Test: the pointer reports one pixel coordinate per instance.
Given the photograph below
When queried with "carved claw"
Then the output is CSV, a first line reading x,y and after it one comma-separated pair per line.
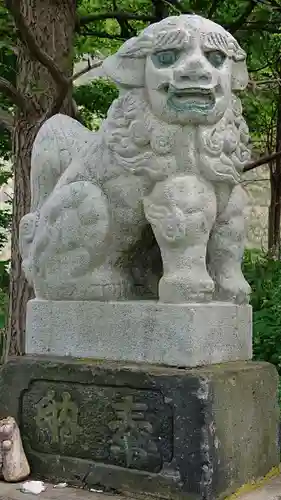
x,y
13,463
186,287
233,289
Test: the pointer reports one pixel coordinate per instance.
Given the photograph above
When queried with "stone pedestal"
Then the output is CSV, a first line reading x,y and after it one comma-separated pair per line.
x,y
196,434
141,331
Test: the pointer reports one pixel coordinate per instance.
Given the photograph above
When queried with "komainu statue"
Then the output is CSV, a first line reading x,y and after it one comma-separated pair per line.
x,y
168,155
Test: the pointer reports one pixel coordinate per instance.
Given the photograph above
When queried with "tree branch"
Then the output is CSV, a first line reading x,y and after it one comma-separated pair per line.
x,y
62,82
232,28
28,38
16,97
118,15
6,120
102,34
254,84
213,8
272,4
58,101
126,30
267,29
261,161
86,69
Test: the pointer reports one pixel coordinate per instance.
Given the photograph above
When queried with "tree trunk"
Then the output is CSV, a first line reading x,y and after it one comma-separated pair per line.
x,y
52,22
274,214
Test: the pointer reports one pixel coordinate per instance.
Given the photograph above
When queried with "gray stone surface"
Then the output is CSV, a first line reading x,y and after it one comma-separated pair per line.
x,y
171,334
189,434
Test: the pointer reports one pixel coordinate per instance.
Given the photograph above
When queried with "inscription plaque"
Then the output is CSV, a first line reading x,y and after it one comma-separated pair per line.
x,y
130,428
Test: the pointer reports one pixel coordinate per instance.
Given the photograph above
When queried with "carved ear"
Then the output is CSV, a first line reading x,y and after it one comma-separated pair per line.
x,y
125,71
127,67
240,75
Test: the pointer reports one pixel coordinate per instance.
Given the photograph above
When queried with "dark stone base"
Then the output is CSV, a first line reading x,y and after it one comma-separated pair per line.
x,y
195,434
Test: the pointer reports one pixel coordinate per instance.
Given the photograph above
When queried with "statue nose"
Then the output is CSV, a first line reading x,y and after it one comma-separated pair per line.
x,y
193,72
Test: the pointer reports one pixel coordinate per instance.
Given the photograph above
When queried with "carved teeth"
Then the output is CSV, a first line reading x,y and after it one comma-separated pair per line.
x,y
194,97
193,92
198,91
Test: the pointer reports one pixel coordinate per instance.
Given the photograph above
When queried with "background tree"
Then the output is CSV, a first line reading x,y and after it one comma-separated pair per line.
x,y
40,89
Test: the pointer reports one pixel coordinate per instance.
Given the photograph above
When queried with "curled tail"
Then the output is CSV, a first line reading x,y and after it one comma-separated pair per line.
x,y
57,143
62,239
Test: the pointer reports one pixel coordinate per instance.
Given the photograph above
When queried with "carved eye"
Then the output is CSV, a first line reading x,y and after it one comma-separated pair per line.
x,y
165,57
215,57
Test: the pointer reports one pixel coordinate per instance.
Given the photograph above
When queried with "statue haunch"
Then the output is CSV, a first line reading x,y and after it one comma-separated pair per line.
x,y
170,154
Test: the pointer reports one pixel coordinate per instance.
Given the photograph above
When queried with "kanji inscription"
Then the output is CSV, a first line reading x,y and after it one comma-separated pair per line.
x,y
60,418
133,438
122,426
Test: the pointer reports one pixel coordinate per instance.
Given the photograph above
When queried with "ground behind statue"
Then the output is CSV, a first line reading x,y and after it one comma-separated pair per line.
x,y
269,491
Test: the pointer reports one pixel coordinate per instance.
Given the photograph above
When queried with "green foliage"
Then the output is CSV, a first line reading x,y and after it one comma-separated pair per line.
x,y
264,276
97,96
93,101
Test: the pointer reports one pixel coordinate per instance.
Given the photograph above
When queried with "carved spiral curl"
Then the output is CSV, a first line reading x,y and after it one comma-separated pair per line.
x,y
143,145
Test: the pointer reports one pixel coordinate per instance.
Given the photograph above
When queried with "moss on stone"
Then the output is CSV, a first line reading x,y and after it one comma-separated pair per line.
x,y
254,485
92,361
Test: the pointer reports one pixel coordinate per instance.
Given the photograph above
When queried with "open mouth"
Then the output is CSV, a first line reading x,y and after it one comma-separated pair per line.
x,y
191,99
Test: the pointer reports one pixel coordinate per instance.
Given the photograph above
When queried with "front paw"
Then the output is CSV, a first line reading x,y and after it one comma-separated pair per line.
x,y
185,287
232,288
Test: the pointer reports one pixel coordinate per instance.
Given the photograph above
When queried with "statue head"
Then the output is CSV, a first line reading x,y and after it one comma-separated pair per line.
x,y
189,67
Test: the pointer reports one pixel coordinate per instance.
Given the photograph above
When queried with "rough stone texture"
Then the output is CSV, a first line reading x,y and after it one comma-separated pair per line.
x,y
13,463
170,154
170,334
195,434
257,184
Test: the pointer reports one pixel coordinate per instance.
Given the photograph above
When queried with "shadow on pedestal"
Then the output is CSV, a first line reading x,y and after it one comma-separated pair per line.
x,y
196,434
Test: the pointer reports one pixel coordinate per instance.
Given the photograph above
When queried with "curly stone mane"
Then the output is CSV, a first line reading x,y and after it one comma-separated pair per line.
x,y
142,144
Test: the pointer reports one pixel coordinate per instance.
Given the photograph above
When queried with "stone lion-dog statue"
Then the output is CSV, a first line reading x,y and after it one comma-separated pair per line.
x,y
169,154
